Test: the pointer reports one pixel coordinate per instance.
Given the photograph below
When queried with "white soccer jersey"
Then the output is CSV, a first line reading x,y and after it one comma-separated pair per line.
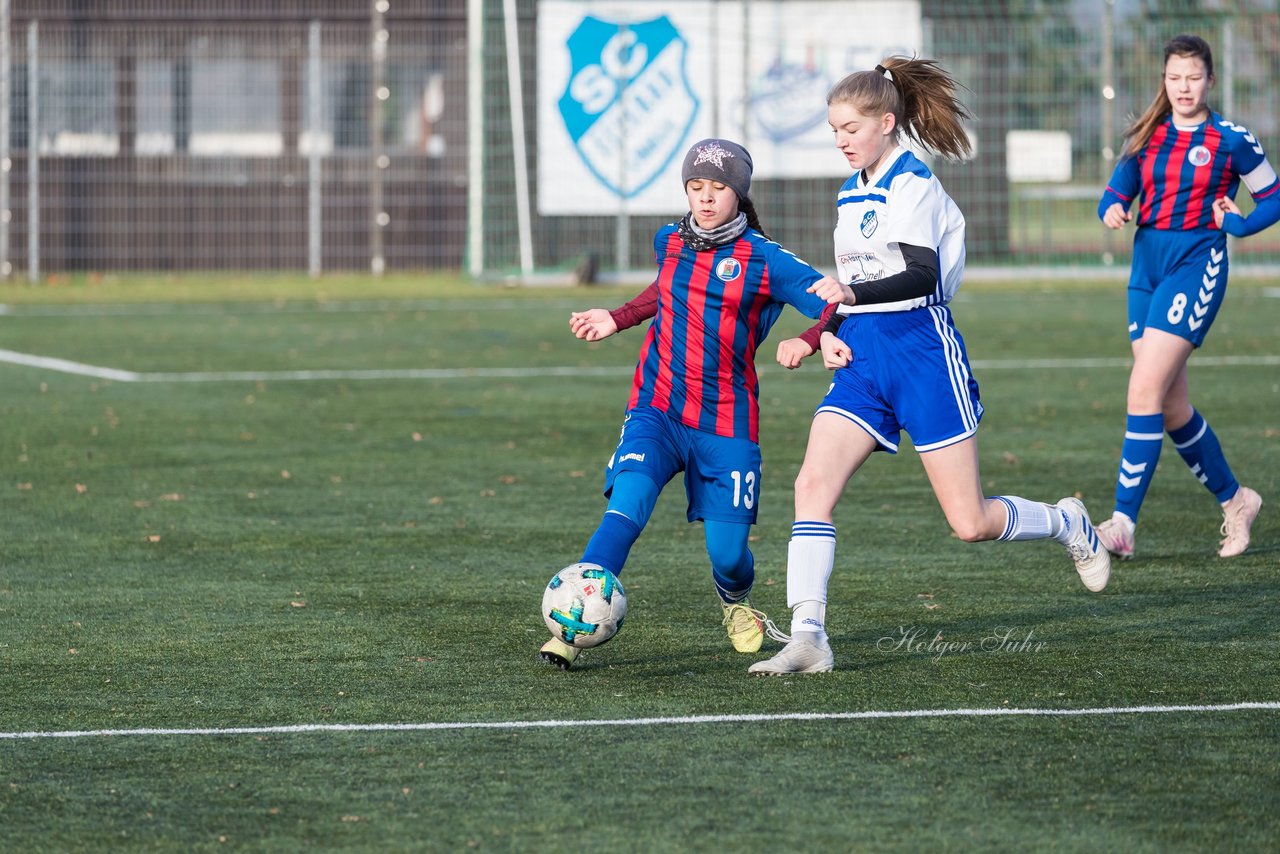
x,y
905,204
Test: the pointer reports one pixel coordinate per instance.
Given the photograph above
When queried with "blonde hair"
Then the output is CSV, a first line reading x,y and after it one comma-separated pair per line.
x,y
1138,134
921,96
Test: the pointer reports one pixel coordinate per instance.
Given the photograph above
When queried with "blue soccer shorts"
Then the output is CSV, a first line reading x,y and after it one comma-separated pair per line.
x,y
721,473
909,372
1177,282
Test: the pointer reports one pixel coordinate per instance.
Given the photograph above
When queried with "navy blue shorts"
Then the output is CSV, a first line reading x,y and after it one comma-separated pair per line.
x,y
1177,282
909,372
721,473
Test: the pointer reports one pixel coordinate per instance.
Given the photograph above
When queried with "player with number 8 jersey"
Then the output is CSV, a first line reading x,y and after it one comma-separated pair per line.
x,y
1185,163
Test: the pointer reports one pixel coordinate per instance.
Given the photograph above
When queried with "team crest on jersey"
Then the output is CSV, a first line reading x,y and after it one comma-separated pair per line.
x,y
869,223
1199,156
728,269
628,99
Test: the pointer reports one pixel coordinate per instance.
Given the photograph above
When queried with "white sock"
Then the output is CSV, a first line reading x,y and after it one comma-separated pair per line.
x,y
1030,520
811,554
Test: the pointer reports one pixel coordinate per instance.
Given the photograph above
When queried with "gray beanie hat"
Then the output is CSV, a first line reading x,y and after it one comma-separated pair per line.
x,y
719,160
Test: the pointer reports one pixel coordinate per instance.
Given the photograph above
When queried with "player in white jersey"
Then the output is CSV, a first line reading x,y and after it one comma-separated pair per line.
x,y
900,362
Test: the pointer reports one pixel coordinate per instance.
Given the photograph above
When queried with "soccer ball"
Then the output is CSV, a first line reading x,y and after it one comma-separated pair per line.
x,y
583,605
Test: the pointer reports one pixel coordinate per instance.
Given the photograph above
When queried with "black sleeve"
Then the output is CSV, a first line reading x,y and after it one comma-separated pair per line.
x,y
918,280
833,323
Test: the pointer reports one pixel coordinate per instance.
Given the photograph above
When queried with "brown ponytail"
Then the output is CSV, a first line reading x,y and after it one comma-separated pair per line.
x,y
922,98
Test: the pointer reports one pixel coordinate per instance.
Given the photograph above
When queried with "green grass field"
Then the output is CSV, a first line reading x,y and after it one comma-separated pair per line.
x,y
300,505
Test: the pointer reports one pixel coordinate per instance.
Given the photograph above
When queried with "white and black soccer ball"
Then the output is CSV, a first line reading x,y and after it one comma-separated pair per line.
x,y
583,605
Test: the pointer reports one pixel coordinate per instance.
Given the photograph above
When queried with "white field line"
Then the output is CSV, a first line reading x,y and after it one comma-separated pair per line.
x,y
67,367
666,721
101,372
271,308
348,306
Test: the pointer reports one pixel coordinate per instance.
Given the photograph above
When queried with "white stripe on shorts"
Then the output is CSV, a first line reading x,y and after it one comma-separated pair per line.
x,y
956,367
864,425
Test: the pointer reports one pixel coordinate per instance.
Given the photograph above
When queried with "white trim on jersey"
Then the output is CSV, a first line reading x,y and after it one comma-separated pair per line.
x,y
1261,177
903,204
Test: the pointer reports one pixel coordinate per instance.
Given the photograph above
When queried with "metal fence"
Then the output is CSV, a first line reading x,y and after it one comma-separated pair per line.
x,y
402,134
183,136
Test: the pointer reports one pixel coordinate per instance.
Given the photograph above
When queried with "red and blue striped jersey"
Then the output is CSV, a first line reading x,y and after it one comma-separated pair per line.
x,y
715,307
1182,170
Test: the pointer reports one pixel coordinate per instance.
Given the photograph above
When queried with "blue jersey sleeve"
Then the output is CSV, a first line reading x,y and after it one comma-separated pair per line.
x,y
1123,187
1267,213
789,280
1249,161
1246,152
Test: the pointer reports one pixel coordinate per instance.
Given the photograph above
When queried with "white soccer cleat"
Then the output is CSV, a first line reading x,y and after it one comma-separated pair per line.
x,y
1116,535
1237,519
1091,557
799,656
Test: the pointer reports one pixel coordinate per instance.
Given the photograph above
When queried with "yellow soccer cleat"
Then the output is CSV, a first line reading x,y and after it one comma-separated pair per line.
x,y
559,653
745,626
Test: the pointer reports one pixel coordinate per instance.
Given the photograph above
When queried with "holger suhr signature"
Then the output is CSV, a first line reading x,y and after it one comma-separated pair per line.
x,y
915,640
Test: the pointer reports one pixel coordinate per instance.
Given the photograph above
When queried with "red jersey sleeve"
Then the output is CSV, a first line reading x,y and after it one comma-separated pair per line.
x,y
813,335
638,310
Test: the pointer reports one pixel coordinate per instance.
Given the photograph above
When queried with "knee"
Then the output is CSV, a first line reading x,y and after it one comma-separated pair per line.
x,y
813,493
971,530
727,555
1145,400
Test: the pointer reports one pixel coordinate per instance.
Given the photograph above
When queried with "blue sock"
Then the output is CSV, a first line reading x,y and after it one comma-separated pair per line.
x,y
1143,436
612,542
733,567
1198,446
631,503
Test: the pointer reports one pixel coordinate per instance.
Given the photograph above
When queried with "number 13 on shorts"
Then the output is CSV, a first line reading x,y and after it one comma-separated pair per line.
x,y
744,489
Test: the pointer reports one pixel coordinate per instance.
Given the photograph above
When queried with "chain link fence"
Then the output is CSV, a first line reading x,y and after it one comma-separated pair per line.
x,y
141,135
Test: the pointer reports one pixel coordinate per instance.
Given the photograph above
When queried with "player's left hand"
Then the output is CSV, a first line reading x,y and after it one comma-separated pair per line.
x,y
832,291
1221,207
835,353
792,352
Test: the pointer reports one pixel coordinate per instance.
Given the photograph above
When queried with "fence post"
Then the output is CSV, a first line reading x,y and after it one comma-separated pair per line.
x,y
520,144
33,151
380,218
6,57
314,125
475,138
1107,152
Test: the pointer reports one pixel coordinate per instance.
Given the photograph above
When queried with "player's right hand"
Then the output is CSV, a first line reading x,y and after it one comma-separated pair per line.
x,y
1221,207
593,324
832,291
1116,216
792,352
835,353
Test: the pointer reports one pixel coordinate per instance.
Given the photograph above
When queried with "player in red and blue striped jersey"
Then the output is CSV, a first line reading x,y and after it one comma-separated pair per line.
x,y
1184,163
695,397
